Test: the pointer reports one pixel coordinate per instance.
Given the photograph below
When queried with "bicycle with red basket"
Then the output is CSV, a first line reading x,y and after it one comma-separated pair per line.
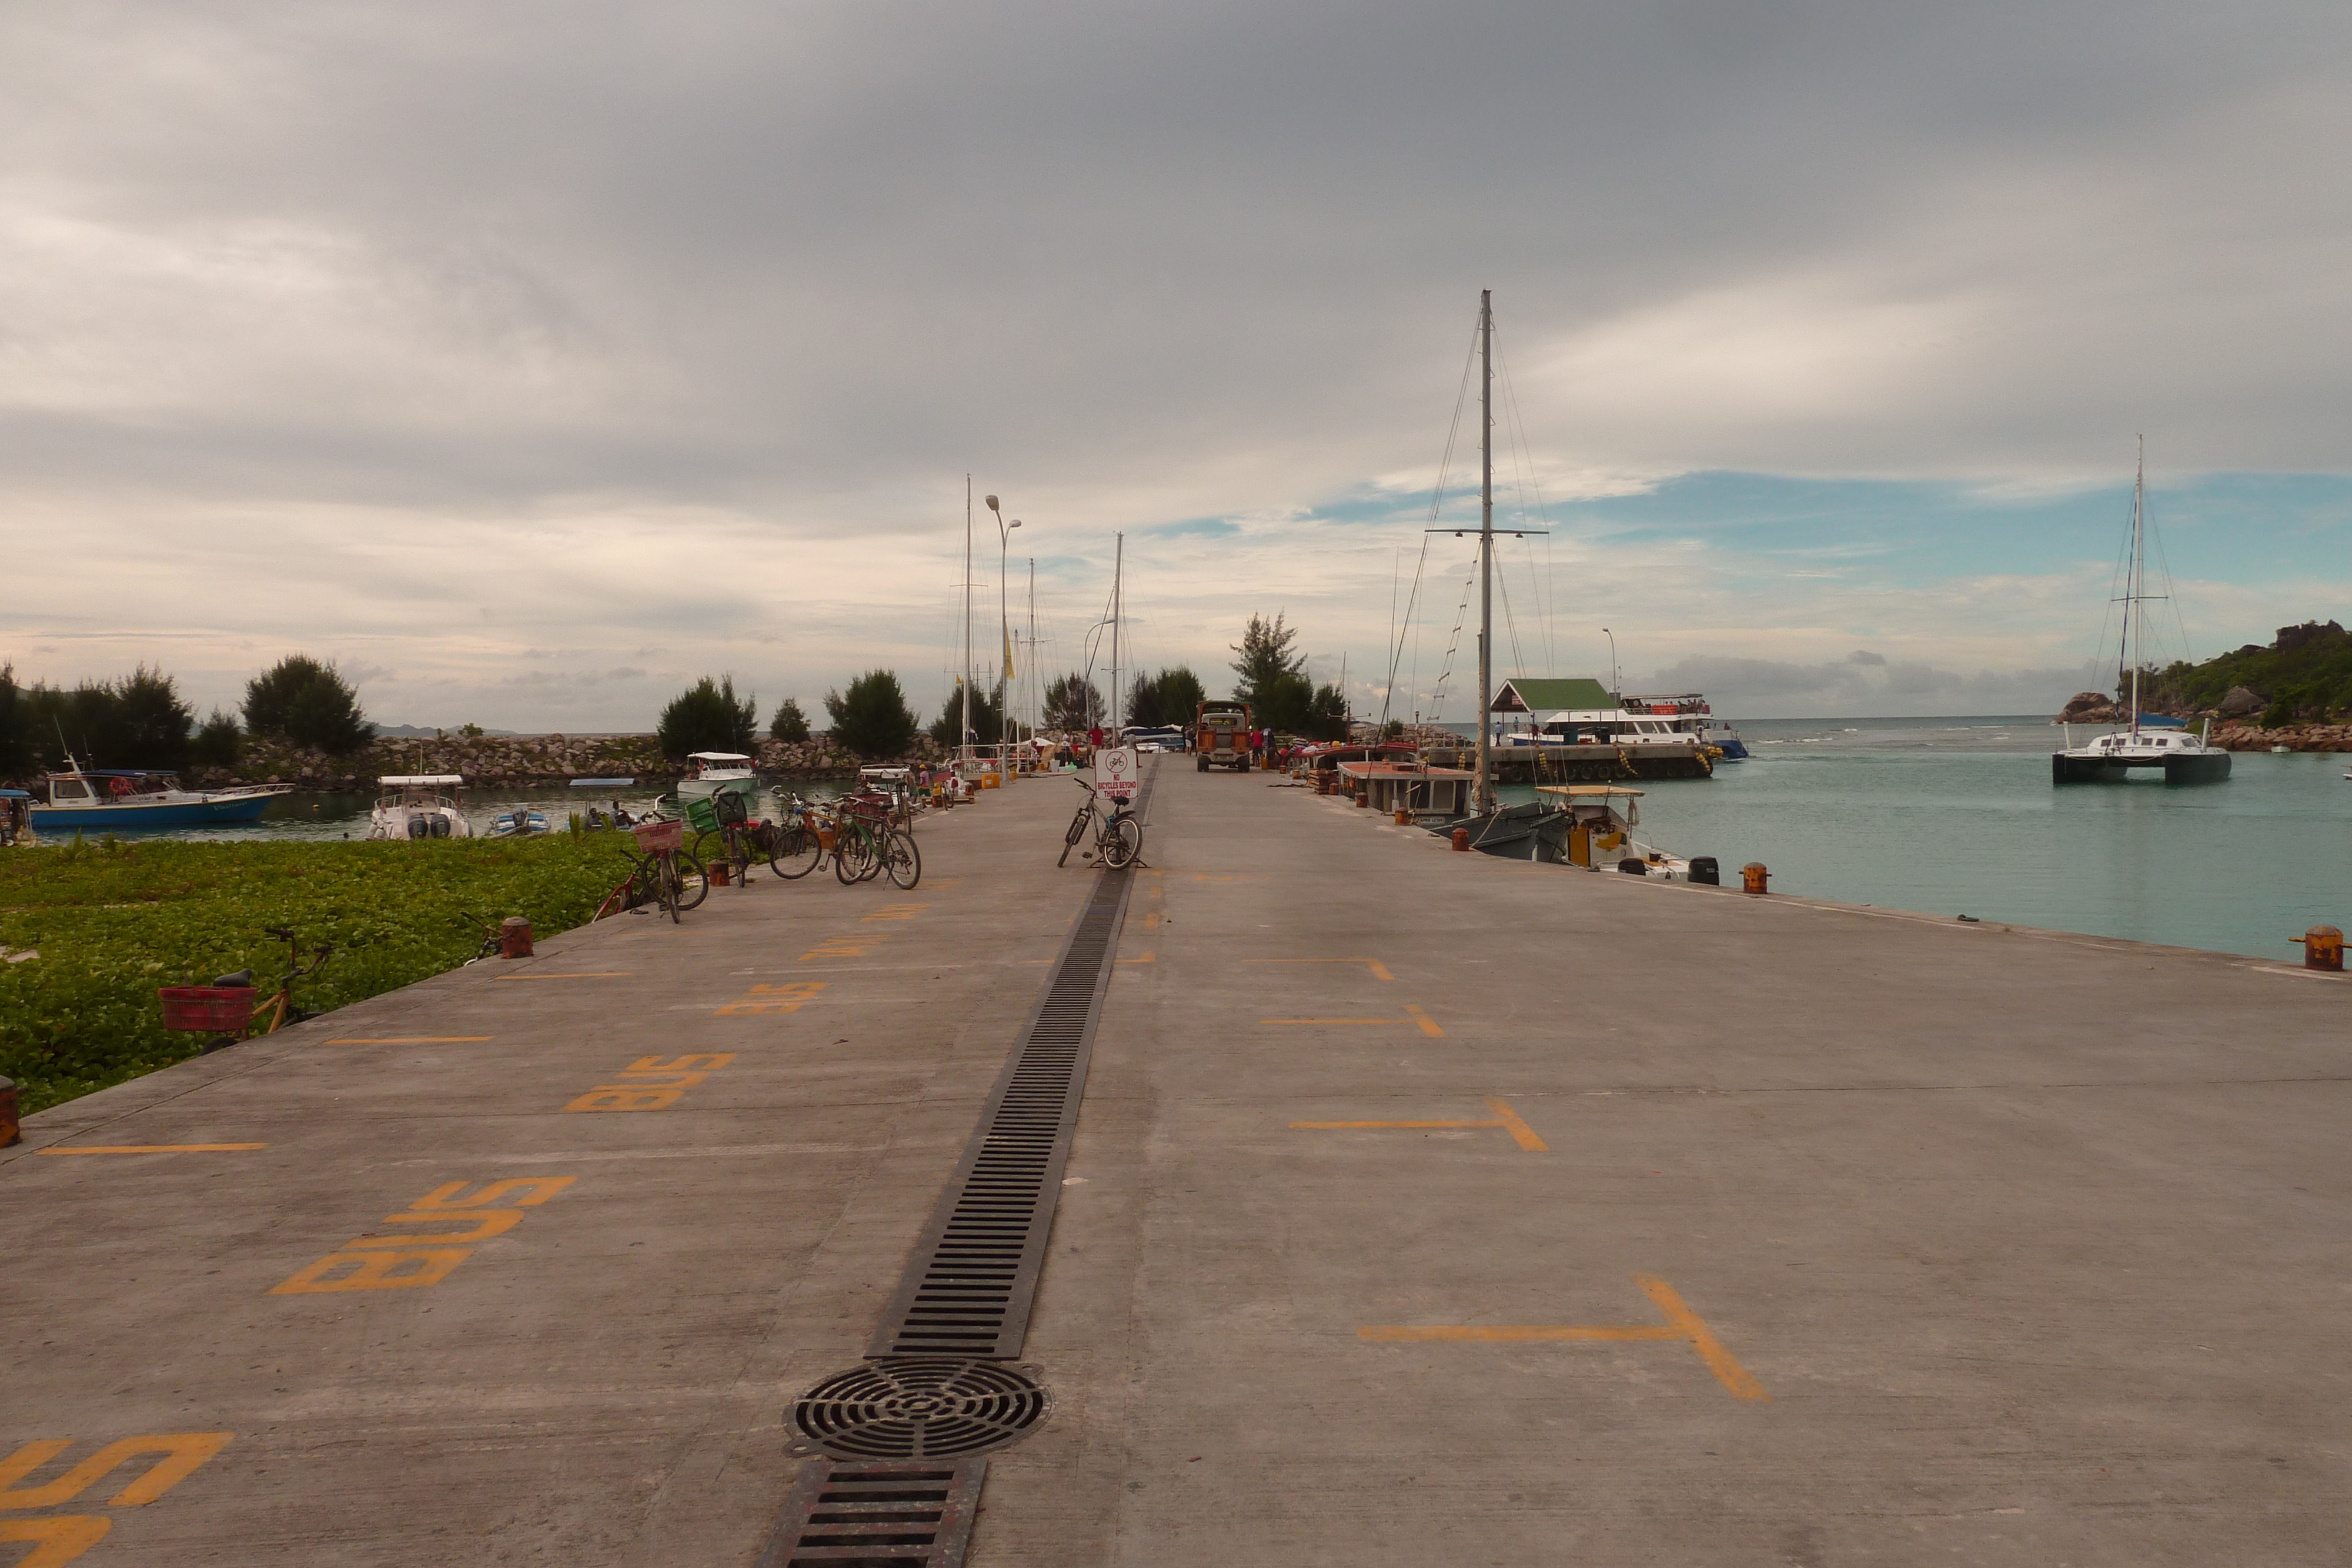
x,y
227,1007
667,874
866,843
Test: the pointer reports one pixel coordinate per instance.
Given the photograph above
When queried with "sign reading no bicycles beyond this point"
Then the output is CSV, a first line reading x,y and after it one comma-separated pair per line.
x,y
1115,773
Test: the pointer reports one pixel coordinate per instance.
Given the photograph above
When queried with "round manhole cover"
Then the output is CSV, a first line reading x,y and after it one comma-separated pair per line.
x,y
920,1408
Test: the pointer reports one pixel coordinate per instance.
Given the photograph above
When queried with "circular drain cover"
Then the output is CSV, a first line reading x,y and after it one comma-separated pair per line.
x,y
919,1408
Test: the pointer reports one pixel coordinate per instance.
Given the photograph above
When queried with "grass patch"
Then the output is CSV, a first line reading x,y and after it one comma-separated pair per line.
x,y
113,920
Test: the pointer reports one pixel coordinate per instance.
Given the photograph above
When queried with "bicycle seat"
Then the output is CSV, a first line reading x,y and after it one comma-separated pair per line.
x,y
280,932
242,978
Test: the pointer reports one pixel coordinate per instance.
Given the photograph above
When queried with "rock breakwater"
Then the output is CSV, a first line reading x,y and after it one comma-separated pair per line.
x,y
517,760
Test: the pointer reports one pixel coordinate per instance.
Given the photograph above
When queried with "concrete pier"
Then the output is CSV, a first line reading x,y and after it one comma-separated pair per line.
x,y
1425,1208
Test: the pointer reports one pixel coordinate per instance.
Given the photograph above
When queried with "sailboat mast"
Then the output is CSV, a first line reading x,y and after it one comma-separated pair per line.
x,y
1028,665
1118,604
1485,783
2133,585
963,737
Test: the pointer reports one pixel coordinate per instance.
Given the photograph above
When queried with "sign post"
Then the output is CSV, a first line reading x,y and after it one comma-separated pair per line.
x,y
1115,777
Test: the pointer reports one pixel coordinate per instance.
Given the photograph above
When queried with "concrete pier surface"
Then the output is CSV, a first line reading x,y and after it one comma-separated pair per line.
x,y
1425,1208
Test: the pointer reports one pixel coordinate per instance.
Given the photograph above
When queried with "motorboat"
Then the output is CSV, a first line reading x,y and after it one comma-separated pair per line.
x,y
414,806
118,798
718,773
518,823
1680,720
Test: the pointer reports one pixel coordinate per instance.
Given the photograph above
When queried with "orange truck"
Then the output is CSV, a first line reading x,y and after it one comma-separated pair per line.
x,y
1221,735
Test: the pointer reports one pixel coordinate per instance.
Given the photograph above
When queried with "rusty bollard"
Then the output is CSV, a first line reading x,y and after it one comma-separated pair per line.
x,y
715,873
1403,818
514,937
2323,948
1752,877
8,1129
1462,839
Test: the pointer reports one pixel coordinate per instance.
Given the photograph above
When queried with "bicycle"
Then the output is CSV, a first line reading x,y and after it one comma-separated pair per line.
x,y
228,1002
798,846
1119,837
491,946
667,874
864,843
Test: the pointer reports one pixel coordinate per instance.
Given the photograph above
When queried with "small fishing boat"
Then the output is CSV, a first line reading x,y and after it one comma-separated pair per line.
x,y
116,798
413,805
718,773
518,823
2151,741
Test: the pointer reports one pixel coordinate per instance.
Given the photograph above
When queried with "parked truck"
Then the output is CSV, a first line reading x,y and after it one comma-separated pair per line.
x,y
1221,735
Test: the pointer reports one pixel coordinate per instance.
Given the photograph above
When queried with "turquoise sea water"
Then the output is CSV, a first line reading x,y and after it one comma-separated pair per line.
x,y
1958,816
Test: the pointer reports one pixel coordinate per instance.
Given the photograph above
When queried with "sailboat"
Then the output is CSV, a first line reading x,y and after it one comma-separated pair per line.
x,y
2153,742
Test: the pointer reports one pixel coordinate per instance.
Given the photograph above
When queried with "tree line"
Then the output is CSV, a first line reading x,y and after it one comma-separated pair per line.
x,y
140,720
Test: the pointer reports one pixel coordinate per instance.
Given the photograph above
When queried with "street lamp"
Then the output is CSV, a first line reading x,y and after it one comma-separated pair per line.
x,y
1615,694
1004,620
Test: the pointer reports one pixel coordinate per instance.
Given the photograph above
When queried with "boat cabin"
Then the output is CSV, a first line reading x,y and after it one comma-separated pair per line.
x,y
1390,786
1602,818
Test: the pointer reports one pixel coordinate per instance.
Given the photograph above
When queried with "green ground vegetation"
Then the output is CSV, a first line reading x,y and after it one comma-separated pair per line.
x,y
114,920
2304,675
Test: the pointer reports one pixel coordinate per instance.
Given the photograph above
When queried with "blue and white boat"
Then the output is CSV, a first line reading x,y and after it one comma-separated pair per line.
x,y
518,823
118,798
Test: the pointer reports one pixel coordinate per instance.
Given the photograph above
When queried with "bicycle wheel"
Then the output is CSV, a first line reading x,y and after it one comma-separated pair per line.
x,y
708,847
797,852
904,861
693,882
665,878
1123,842
853,855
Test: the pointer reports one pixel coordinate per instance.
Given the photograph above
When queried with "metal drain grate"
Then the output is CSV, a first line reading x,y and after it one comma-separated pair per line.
x,y
920,1408
968,1290
877,1516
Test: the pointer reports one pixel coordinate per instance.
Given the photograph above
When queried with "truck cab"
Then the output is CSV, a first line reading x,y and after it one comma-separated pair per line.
x,y
1221,735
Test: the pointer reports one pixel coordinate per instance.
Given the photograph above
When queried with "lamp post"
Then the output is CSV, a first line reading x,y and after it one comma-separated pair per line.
x,y
1614,696
1004,619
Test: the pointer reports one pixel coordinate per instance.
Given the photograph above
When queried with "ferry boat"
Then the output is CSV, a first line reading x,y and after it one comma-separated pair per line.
x,y
413,806
1684,719
118,798
718,773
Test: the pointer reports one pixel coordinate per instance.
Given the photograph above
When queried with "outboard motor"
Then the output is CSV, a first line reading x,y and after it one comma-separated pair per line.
x,y
419,827
440,825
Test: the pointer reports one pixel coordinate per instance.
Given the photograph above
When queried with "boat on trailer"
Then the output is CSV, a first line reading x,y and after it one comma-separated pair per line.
x,y
118,798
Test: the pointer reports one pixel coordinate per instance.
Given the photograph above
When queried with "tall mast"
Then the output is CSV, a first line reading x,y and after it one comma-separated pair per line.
x,y
1028,672
2134,584
1118,606
1485,783
963,736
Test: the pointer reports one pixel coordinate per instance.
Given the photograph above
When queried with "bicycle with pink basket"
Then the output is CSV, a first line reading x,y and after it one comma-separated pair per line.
x,y
667,874
226,1008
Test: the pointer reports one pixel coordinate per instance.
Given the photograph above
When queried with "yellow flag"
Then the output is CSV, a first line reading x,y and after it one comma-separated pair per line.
x,y
1008,654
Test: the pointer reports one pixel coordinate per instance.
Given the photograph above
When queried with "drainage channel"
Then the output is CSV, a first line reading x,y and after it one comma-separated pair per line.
x,y
895,1444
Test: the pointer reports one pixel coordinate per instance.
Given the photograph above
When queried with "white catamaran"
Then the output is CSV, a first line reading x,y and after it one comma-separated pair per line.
x,y
2148,742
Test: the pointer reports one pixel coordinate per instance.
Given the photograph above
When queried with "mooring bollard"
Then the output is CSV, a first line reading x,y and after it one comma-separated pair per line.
x,y
9,1127
2323,947
514,937
1462,838
1752,876
1404,818
716,874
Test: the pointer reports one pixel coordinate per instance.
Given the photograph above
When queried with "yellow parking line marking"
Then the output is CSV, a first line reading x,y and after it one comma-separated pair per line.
x,y
1335,1021
412,1039
1144,958
1504,1117
582,975
1152,921
1380,970
1428,1025
153,1149
1681,1323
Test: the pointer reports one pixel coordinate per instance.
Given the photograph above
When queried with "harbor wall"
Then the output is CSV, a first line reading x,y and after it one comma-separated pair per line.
x,y
515,759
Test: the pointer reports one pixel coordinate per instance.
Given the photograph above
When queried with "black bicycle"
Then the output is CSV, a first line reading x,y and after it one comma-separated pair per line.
x,y
1119,837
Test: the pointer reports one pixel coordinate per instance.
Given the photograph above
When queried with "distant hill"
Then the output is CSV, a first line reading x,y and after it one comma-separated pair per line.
x,y
2304,677
427,732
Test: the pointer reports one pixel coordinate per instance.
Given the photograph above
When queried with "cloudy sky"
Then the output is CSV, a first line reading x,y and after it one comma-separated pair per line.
x,y
531,360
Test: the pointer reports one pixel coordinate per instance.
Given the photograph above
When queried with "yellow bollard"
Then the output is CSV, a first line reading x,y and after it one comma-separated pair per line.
x,y
1752,877
2323,948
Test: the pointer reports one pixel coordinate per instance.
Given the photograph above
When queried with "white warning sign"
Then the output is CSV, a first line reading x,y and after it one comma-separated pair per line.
x,y
1115,772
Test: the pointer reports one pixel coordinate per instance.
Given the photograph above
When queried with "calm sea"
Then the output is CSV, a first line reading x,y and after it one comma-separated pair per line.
x,y
1958,816
1946,816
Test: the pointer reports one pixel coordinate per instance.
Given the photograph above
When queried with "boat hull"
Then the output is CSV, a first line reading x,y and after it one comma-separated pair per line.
x,y
704,789
2194,768
153,814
